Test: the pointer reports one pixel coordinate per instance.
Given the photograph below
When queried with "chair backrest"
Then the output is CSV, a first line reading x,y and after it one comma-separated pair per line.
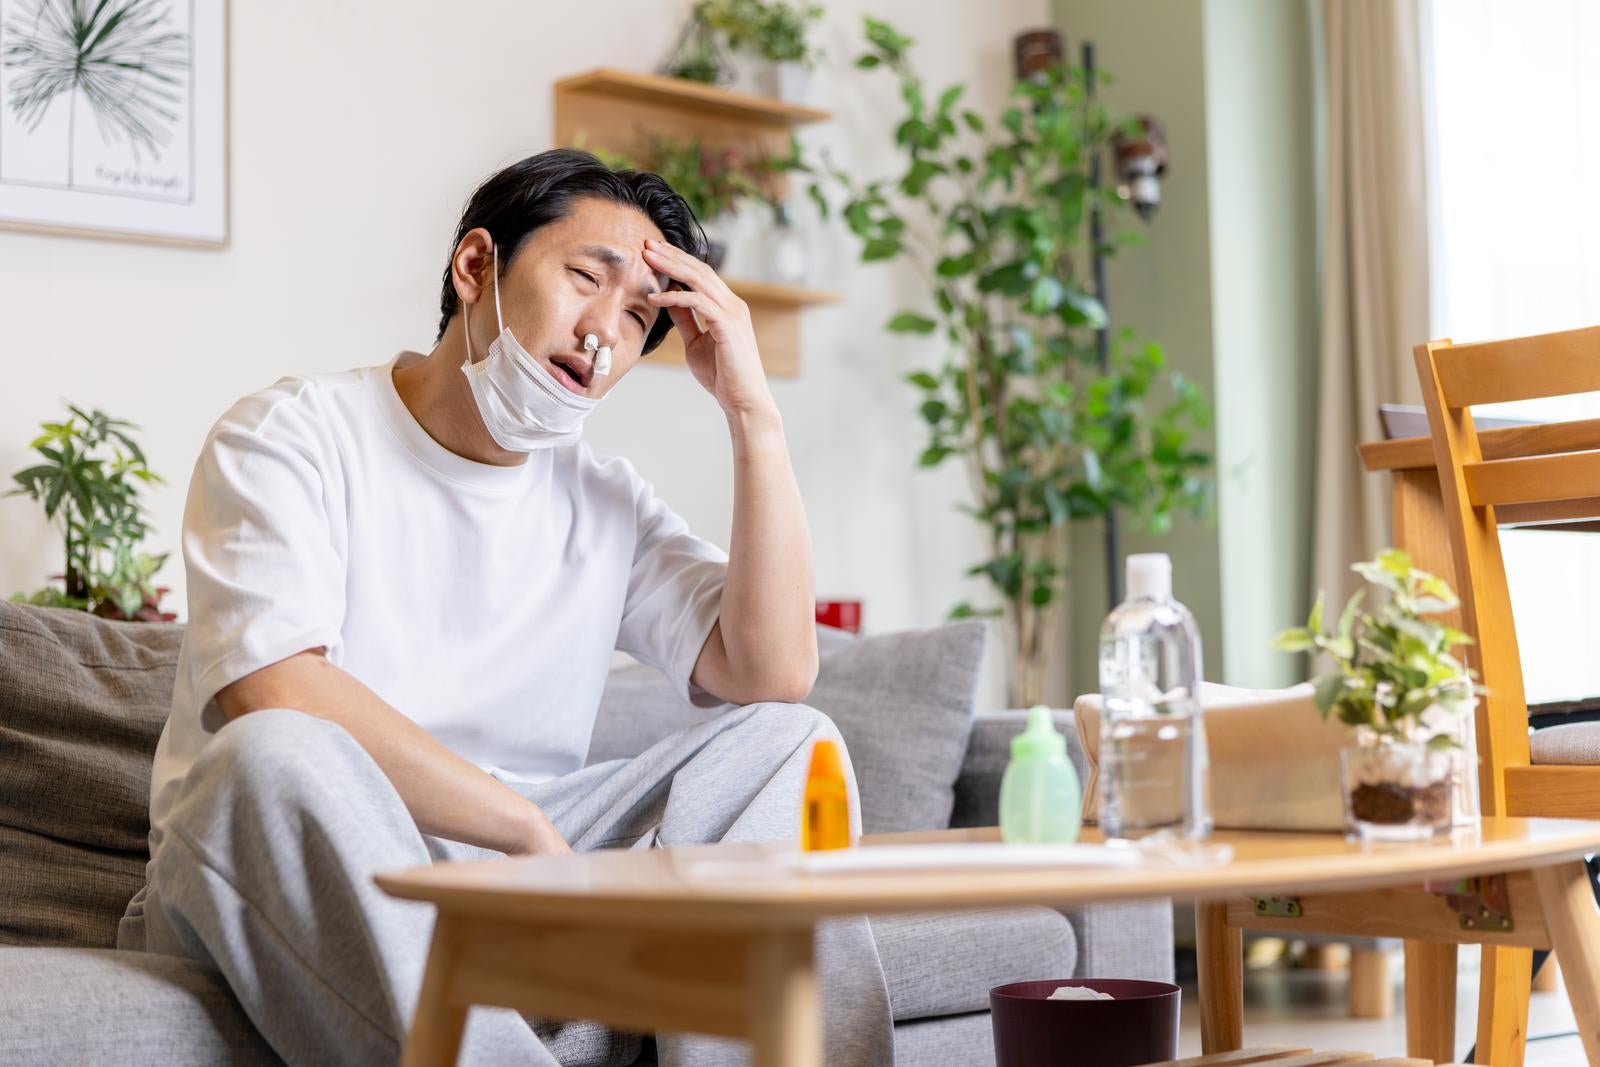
x,y
1542,482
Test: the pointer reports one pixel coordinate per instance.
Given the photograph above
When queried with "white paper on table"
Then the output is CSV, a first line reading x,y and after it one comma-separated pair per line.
x,y
966,856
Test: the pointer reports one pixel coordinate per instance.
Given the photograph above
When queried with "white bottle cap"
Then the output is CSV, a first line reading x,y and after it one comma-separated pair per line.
x,y
1150,576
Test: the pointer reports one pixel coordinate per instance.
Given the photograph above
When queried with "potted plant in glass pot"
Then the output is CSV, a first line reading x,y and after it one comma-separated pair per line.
x,y
712,181
773,35
993,212
1412,771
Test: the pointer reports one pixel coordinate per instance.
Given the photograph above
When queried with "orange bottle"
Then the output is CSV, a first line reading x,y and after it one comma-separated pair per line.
x,y
825,821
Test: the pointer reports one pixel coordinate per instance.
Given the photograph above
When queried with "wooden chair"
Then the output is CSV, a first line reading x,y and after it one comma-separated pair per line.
x,y
1544,481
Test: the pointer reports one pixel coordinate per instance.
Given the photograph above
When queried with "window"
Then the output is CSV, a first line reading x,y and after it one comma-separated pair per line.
x,y
1516,250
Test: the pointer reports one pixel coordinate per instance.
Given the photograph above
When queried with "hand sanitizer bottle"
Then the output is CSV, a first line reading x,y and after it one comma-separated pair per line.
x,y
1155,772
1040,799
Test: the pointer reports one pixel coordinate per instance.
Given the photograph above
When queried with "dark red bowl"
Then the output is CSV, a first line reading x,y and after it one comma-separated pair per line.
x,y
1139,1026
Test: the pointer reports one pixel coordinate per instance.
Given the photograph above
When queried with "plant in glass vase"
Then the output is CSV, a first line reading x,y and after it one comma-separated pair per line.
x,y
994,212
712,181
774,33
89,484
1397,681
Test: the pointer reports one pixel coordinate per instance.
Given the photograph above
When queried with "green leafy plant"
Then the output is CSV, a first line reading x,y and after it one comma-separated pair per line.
x,y
995,213
1395,674
713,182
772,29
89,484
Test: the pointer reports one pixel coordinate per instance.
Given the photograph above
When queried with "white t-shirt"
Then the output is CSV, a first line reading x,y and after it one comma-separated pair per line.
x,y
483,602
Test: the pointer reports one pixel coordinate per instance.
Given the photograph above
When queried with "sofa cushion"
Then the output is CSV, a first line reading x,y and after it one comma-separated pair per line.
x,y
69,1005
63,893
964,1039
945,963
903,703
1574,744
82,702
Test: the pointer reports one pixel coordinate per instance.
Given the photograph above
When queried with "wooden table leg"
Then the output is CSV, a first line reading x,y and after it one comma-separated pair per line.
x,y
1574,925
1371,995
1431,1001
1505,979
1219,949
436,1029
785,1009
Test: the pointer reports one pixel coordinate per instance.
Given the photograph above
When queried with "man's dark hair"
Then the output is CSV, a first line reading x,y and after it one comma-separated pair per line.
x,y
541,189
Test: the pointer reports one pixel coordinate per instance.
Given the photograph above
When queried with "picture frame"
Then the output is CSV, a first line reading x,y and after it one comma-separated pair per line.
x,y
114,119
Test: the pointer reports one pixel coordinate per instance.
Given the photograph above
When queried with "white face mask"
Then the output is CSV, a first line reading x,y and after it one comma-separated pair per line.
x,y
523,406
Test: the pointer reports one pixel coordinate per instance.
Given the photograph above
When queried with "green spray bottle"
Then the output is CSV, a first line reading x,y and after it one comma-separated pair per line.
x,y
1040,799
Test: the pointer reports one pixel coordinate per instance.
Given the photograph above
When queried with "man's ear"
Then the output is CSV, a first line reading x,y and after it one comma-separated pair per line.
x,y
472,265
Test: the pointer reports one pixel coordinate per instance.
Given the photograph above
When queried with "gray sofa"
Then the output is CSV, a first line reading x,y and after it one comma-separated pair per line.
x,y
82,701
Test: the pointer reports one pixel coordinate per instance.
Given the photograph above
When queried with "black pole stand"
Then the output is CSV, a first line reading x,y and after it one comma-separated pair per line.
x,y
1102,336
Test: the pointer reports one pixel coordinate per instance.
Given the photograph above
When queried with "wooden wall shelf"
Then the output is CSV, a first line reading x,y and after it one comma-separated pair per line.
x,y
614,109
775,310
690,96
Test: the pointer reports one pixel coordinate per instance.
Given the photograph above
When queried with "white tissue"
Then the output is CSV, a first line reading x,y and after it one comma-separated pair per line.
x,y
1078,992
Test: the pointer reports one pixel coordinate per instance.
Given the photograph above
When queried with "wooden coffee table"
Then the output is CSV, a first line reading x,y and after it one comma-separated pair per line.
x,y
659,940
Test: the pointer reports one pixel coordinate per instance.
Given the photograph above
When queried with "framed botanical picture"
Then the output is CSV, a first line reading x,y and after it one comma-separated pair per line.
x,y
114,118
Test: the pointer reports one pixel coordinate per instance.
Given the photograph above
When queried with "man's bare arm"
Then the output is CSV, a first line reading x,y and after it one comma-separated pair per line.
x,y
447,796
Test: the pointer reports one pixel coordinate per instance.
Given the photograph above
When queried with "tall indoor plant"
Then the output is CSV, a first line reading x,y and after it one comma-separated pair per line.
x,y
994,212
89,483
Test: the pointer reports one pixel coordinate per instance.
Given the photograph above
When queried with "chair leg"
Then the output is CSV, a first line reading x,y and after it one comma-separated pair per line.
x,y
1547,976
1431,1001
1370,994
1506,977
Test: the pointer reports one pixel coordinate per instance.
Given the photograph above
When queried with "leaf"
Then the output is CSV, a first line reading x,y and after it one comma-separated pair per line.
x,y
917,178
1084,309
932,456
922,379
1347,617
1314,621
815,192
868,61
1297,639
948,98
1046,296
934,411
879,248
1329,688
955,266
910,322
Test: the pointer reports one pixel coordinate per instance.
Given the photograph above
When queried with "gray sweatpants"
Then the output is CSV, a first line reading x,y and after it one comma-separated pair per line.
x,y
265,872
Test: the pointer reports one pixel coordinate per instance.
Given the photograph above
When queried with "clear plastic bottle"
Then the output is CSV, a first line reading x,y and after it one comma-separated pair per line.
x,y
1155,773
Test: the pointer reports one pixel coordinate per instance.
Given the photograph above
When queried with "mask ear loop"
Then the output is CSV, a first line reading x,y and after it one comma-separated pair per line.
x,y
466,311
498,318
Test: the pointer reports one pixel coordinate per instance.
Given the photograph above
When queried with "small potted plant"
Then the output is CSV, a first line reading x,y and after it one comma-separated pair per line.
x,y
1398,682
713,182
773,34
89,483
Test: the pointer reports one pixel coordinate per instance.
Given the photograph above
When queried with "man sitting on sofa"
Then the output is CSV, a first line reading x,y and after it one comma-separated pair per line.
x,y
406,583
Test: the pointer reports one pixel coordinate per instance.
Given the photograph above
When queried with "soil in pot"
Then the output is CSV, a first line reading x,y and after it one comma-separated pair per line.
x,y
1387,803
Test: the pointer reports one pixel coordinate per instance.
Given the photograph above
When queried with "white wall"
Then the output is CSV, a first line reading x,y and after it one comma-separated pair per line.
x,y
357,133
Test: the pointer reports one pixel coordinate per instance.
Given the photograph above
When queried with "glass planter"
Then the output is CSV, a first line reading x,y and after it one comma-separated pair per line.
x,y
1397,791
